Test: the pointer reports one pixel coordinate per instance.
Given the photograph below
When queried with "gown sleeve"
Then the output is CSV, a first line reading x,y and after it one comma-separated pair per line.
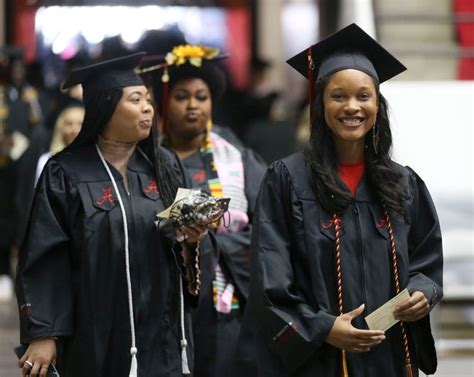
x,y
425,267
44,282
234,248
424,244
292,328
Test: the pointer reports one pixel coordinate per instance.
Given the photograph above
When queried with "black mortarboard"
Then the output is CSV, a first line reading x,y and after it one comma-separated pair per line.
x,y
102,85
106,75
349,48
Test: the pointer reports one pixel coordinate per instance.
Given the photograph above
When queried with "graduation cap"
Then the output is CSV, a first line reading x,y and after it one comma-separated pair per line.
x,y
349,48
106,75
99,83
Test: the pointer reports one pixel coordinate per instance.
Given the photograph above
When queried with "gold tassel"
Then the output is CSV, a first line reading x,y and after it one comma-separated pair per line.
x,y
408,369
209,125
343,371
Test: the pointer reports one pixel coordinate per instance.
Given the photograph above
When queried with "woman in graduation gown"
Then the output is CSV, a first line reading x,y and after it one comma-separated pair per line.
x,y
339,230
99,287
221,166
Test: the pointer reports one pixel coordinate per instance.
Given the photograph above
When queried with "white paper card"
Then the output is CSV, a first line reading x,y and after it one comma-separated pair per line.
x,y
382,318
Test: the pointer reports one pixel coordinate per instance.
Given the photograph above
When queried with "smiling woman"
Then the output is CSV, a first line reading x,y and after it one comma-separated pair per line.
x,y
350,104
340,229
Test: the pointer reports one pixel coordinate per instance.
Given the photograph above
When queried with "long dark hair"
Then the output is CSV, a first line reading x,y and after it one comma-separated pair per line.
x,y
99,107
166,175
384,177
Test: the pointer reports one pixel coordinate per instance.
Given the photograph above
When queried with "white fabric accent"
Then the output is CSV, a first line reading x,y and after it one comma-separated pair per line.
x,y
133,348
184,342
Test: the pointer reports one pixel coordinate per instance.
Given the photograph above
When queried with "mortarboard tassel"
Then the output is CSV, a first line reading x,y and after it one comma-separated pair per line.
x,y
134,364
343,371
409,370
310,82
133,348
184,357
184,342
165,78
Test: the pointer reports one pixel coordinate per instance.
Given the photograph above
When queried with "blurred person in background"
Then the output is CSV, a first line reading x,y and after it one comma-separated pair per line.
x,y
68,125
27,105
243,109
8,180
22,93
303,128
8,220
340,229
186,88
266,126
41,136
100,287
8,187
259,99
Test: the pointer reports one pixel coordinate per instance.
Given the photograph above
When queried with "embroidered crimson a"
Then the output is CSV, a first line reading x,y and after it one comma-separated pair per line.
x,y
107,197
152,188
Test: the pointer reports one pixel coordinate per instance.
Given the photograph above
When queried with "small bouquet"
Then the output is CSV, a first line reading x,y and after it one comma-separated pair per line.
x,y
194,207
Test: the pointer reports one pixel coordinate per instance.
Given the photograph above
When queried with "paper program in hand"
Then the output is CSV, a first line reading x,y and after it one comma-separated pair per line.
x,y
383,318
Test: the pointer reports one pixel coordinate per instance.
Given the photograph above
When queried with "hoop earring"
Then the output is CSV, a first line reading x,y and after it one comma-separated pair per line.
x,y
375,137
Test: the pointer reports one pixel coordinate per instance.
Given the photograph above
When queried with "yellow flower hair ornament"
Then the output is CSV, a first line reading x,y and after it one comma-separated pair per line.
x,y
194,54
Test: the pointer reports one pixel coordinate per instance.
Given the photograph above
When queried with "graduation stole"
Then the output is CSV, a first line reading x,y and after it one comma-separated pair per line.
x,y
336,222
213,180
223,295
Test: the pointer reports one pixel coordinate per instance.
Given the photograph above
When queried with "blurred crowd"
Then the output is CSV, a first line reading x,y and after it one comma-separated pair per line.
x,y
37,121
34,124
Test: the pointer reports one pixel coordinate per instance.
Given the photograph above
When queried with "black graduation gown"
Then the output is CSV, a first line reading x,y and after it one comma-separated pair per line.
x,y
294,278
216,334
72,280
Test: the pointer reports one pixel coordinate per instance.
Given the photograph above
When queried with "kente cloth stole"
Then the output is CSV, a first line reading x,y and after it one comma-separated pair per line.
x,y
226,178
